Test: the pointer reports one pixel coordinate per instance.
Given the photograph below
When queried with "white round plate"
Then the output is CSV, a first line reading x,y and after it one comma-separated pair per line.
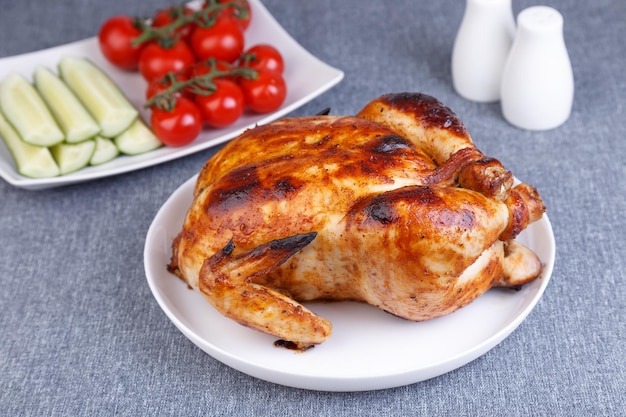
x,y
369,349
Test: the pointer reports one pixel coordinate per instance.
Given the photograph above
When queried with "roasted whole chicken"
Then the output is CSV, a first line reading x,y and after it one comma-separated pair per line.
x,y
394,207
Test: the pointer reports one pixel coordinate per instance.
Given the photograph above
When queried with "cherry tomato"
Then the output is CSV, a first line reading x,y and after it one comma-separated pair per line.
x,y
160,85
115,37
155,61
179,126
222,107
224,41
164,17
234,13
264,56
265,93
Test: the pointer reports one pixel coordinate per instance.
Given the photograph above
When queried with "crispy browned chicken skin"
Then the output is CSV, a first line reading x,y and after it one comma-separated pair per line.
x,y
394,207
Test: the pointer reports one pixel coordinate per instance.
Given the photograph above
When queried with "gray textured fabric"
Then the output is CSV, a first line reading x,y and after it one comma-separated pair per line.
x,y
81,334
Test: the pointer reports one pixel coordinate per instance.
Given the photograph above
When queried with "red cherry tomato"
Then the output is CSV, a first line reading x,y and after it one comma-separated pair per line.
x,y
222,107
179,126
266,93
164,17
234,12
155,61
224,41
264,56
115,37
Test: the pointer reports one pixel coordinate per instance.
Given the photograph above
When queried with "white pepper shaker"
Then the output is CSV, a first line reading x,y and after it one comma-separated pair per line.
x,y
537,81
481,48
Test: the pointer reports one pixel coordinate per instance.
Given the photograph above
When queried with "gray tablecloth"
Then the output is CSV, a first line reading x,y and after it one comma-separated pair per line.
x,y
81,334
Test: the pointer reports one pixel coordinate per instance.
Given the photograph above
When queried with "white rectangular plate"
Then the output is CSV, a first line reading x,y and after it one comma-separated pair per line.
x,y
307,77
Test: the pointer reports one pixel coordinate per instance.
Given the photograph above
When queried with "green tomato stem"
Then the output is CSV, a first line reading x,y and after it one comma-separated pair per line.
x,y
199,84
205,17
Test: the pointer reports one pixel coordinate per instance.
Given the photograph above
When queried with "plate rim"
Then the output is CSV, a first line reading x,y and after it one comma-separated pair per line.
x,y
8,169
333,383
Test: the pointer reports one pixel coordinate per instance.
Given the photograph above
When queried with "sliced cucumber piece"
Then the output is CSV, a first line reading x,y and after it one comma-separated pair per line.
x,y
31,161
27,112
105,151
74,120
99,94
137,139
71,157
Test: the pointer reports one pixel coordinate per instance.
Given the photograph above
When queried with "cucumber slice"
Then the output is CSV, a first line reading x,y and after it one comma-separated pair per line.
x,y
75,121
31,161
105,151
99,94
27,112
137,139
71,157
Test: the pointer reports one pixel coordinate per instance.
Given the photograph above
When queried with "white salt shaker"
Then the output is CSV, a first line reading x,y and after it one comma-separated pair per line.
x,y
537,89
481,48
